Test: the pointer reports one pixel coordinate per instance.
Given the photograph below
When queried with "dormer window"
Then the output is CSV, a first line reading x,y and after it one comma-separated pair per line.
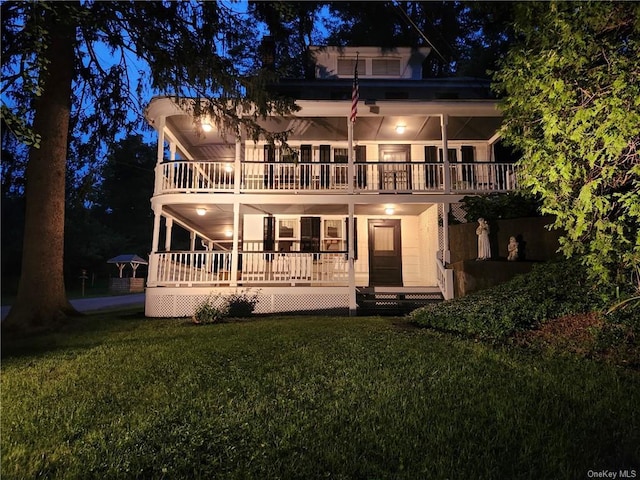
x,y
388,67
346,66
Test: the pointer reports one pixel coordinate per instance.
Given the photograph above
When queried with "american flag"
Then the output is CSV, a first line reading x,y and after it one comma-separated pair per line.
x,y
355,94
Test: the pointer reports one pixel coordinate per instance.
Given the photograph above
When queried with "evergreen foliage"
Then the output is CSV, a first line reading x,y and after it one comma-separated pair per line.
x,y
571,88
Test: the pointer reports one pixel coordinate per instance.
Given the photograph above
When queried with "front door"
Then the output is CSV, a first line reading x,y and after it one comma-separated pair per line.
x,y
385,253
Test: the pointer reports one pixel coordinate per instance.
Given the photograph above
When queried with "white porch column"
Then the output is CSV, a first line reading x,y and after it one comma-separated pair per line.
x,y
156,230
167,237
172,151
350,166
446,252
353,308
152,275
234,249
444,121
237,166
159,157
192,236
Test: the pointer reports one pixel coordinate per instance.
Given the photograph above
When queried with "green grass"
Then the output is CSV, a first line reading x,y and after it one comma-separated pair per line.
x,y
119,396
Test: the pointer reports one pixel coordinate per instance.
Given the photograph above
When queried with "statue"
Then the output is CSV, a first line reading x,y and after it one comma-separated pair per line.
x,y
484,249
513,249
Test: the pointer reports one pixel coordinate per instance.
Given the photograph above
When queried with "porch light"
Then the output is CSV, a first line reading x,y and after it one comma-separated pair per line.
x,y
389,211
201,211
228,233
206,127
228,168
400,128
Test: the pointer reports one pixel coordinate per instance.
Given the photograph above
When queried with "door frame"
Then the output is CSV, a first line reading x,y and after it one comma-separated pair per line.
x,y
397,252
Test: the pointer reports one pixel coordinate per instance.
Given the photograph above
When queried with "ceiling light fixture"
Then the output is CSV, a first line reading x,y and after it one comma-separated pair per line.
x,y
229,233
389,211
206,127
400,128
201,211
228,168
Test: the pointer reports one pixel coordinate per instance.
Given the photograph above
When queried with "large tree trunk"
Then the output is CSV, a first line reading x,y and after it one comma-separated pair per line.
x,y
41,301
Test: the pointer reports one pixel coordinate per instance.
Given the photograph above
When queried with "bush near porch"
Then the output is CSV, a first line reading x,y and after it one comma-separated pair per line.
x,y
550,291
305,398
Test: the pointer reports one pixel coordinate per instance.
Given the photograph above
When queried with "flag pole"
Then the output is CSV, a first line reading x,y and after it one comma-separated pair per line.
x,y
355,97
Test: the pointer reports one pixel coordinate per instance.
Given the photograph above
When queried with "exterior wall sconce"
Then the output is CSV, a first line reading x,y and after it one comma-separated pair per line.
x,y
201,211
400,128
228,168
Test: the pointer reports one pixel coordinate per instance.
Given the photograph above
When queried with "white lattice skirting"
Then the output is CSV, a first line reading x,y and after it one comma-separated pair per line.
x,y
182,302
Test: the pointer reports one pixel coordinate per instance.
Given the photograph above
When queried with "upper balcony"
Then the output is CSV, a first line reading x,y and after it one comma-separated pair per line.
x,y
333,178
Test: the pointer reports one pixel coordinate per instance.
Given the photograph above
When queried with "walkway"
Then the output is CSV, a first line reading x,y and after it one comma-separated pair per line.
x,y
99,303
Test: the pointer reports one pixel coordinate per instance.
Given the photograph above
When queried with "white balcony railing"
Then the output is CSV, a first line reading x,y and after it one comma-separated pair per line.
x,y
377,177
214,268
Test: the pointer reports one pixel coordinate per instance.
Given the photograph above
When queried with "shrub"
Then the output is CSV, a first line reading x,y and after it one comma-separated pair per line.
x,y
217,308
549,291
212,310
241,304
496,206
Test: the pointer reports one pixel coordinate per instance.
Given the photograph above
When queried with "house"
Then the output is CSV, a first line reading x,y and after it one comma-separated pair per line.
x,y
351,208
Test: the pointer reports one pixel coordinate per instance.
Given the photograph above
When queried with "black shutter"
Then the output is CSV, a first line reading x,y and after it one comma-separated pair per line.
x,y
361,170
325,158
355,237
430,154
269,156
269,234
468,156
305,164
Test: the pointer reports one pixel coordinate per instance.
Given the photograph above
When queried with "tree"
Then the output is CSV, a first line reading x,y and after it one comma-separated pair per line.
x,y
571,88
53,77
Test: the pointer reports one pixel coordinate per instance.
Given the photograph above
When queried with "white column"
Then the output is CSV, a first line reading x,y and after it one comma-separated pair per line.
x,y
156,229
446,252
167,238
350,167
236,239
152,276
193,240
237,166
444,120
352,272
159,156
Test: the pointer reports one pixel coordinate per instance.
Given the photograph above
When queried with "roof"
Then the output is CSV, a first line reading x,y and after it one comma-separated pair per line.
x,y
128,258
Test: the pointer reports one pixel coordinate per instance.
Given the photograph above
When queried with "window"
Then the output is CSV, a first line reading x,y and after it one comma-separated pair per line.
x,y
310,234
333,235
385,67
346,66
468,153
341,155
452,155
287,234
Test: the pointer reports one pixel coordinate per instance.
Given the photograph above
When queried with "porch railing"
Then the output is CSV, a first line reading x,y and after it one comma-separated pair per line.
x,y
211,268
445,280
377,177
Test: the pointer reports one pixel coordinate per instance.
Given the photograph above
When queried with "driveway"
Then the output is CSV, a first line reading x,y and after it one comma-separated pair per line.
x,y
99,303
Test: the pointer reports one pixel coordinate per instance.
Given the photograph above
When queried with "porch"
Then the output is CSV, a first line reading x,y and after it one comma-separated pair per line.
x,y
315,177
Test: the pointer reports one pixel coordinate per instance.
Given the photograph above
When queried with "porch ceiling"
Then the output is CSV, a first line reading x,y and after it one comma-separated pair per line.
x,y
218,219
331,129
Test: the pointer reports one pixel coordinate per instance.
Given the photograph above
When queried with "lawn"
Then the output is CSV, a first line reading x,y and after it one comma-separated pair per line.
x,y
120,396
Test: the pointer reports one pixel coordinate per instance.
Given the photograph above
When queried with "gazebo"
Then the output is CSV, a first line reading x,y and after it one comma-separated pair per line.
x,y
127,284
